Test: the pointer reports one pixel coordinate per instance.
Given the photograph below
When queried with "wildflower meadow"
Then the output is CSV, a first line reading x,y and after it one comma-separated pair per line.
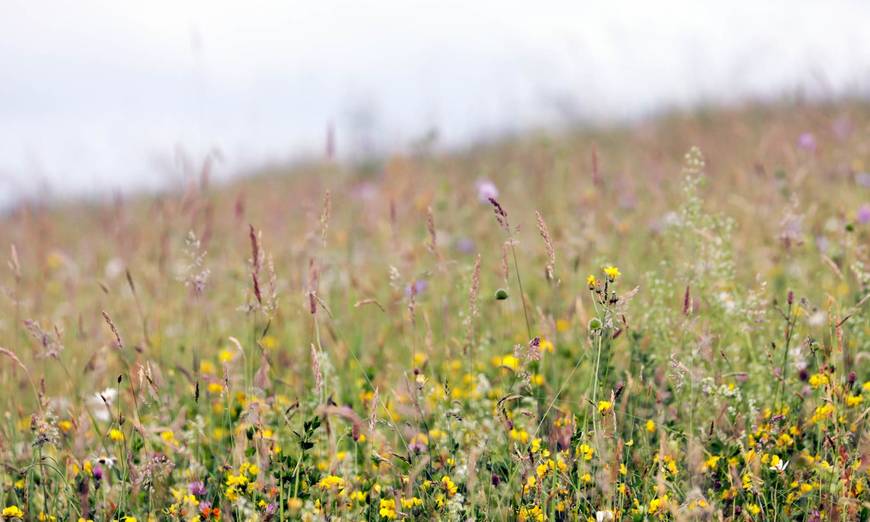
x,y
663,320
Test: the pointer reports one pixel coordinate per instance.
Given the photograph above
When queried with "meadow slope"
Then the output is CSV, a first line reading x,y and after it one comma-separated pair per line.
x,y
668,321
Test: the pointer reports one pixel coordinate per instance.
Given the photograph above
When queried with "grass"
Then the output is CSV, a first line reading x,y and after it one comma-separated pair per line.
x,y
667,321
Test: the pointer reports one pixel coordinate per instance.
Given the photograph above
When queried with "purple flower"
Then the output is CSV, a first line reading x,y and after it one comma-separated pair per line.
x,y
864,214
485,190
465,245
271,508
98,472
417,287
807,141
196,488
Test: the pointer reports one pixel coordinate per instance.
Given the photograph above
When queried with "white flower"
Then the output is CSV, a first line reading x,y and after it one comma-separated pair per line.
x,y
780,465
603,516
817,319
109,462
99,407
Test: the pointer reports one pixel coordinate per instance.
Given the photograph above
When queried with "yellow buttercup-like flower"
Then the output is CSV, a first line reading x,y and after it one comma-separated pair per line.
x,y
612,272
854,400
12,512
331,482
387,508
818,380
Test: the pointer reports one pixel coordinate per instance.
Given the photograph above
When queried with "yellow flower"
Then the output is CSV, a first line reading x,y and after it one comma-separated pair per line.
x,y
546,345
612,272
535,513
116,435
585,451
65,426
226,356
712,462
331,482
519,435
215,387
854,400
531,481
656,504
822,412
591,281
237,480
387,508
449,486
753,509
411,503
819,379
268,342
12,512
508,361
562,325
651,426
604,407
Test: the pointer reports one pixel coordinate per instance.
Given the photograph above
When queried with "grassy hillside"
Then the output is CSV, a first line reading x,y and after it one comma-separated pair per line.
x,y
663,321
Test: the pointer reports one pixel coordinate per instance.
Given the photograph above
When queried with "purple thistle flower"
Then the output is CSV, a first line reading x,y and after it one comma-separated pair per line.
x,y
196,488
98,472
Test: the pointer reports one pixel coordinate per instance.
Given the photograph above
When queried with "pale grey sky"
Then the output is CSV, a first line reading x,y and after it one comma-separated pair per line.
x,y
99,95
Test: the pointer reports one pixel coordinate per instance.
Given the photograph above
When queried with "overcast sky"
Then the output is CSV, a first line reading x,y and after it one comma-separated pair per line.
x,y
101,95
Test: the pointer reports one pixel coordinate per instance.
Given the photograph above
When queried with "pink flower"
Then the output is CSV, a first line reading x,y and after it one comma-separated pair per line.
x,y
807,141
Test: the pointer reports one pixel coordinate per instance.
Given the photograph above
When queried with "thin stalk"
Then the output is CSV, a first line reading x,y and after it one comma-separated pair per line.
x,y
522,293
